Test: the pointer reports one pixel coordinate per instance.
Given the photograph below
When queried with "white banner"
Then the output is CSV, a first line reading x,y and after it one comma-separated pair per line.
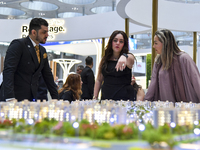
x,y
140,67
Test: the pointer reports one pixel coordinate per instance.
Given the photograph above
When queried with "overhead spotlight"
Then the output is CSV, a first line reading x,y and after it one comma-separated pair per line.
x,y
2,3
41,14
11,18
75,8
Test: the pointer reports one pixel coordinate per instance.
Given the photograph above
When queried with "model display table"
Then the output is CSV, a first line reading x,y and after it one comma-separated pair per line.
x,y
119,123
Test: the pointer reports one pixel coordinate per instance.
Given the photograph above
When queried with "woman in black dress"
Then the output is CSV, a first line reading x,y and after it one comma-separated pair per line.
x,y
115,69
71,89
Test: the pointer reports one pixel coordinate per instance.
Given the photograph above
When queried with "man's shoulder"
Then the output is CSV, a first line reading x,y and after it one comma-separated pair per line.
x,y
85,69
18,40
22,41
17,44
84,72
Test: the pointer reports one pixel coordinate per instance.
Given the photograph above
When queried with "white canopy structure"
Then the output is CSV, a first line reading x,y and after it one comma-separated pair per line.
x,y
66,65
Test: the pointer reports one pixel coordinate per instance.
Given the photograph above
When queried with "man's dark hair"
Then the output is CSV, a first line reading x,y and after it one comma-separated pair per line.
x,y
81,67
36,23
89,60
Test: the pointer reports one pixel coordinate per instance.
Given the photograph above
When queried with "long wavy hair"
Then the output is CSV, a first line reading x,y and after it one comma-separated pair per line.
x,y
73,83
169,48
135,85
109,50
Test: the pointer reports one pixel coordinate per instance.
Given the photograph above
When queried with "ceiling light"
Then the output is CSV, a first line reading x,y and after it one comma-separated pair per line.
x,y
101,9
75,8
41,14
38,5
69,14
186,1
78,2
2,3
11,18
11,11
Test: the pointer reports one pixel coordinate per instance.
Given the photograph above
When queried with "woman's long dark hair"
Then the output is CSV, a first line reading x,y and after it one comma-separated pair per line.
x,y
109,50
136,87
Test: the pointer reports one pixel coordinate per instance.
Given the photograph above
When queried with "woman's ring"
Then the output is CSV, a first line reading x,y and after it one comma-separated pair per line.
x,y
122,65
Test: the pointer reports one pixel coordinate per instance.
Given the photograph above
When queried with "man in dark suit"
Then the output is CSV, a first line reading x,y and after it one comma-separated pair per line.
x,y
79,69
87,77
22,65
42,93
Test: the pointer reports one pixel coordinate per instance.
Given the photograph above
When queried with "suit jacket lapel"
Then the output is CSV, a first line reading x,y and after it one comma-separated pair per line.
x,y
41,58
32,51
41,54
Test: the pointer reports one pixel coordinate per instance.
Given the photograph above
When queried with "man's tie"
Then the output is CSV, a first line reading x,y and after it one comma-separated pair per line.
x,y
38,52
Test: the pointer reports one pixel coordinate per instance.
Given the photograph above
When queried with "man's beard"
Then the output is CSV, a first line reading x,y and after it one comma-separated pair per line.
x,y
39,40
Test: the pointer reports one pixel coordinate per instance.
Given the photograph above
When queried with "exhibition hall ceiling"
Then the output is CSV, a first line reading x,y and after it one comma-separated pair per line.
x,y
26,9
186,1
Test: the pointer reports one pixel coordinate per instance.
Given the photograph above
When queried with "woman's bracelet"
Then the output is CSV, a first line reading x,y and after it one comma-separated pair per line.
x,y
126,55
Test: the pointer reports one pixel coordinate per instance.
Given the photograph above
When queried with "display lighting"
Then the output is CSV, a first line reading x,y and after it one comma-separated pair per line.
x,y
197,131
112,119
141,127
66,140
196,122
2,114
67,116
173,124
30,121
108,116
108,111
36,115
73,117
75,125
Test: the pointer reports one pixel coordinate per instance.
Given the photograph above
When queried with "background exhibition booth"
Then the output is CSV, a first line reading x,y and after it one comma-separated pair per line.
x,y
71,40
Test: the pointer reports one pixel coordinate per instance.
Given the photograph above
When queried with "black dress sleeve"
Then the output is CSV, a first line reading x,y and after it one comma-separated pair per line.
x,y
66,95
